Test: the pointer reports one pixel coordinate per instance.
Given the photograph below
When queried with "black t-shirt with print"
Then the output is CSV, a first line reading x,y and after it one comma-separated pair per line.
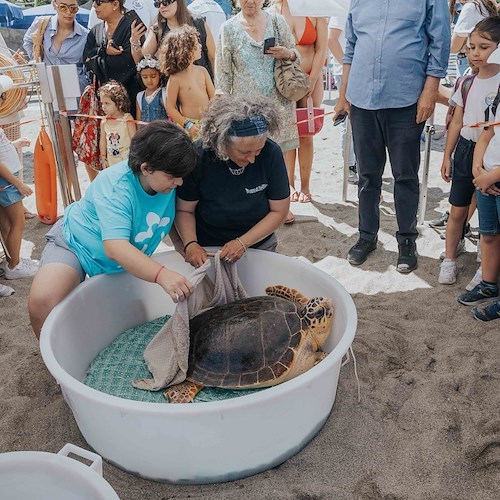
x,y
230,205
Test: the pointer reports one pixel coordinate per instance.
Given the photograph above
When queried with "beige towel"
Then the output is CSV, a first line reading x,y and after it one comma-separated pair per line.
x,y
167,354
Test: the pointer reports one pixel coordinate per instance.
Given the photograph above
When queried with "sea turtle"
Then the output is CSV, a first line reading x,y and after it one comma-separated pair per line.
x,y
255,342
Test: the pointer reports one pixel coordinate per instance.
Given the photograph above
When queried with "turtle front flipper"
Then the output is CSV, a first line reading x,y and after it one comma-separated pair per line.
x,y
184,392
287,293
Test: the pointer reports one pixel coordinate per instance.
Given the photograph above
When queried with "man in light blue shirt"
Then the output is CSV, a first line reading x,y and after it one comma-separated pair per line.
x,y
396,53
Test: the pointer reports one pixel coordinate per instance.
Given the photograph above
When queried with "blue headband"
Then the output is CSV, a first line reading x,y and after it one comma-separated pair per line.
x,y
256,125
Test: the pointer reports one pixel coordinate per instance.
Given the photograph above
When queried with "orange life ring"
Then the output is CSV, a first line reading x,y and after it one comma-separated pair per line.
x,y
44,166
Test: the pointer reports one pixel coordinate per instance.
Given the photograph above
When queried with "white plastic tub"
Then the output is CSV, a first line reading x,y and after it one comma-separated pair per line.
x,y
201,442
36,475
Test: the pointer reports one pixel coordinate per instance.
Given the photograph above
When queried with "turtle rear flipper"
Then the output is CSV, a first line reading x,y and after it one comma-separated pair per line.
x,y
287,293
184,392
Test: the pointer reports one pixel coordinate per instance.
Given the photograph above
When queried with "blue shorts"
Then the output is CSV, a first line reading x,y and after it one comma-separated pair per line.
x,y
489,214
8,193
57,251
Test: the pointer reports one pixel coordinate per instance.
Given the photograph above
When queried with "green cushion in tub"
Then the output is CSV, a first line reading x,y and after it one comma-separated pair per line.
x,y
114,368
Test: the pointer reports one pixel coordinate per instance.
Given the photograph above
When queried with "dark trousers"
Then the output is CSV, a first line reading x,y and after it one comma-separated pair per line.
x,y
396,131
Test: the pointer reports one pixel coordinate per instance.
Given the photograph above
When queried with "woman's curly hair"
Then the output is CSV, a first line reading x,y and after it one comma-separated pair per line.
x,y
117,93
177,49
226,109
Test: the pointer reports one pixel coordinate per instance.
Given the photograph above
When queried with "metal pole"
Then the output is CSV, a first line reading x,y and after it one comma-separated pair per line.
x,y
429,132
347,152
64,135
49,113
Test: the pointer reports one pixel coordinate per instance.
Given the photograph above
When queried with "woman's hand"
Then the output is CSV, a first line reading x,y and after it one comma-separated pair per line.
x,y
137,30
19,57
280,52
232,251
446,170
177,286
112,50
196,255
312,84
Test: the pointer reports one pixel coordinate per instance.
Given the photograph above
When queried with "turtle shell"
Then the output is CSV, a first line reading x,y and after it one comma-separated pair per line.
x,y
247,343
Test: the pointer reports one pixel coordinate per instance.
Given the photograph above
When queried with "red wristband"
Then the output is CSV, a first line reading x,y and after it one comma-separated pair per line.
x,y
158,273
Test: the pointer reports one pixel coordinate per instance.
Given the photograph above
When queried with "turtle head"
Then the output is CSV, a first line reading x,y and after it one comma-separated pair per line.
x,y
318,314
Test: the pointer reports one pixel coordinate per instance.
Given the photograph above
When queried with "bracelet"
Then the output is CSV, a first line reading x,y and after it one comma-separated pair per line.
x,y
189,243
135,46
158,273
241,243
188,124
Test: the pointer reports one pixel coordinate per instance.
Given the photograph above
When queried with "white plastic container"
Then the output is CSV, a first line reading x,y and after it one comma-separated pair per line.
x,y
201,442
36,475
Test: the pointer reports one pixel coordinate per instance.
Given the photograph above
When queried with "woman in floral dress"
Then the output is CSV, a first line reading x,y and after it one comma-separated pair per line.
x,y
242,68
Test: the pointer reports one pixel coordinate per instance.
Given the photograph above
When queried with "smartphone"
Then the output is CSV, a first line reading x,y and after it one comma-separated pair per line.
x,y
341,118
133,15
268,43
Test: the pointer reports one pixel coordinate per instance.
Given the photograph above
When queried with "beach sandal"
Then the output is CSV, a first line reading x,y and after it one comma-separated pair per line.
x,y
290,218
294,196
305,198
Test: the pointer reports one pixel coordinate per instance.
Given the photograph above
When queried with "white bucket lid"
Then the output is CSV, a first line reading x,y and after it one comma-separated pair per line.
x,y
26,475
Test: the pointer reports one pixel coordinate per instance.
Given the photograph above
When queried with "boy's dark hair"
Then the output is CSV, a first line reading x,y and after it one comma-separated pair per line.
x,y
163,146
489,28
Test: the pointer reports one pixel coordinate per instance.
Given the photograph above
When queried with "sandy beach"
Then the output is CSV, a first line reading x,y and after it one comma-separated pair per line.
x,y
428,423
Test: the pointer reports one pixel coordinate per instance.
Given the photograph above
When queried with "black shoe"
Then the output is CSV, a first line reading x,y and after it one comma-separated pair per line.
x,y
407,259
359,252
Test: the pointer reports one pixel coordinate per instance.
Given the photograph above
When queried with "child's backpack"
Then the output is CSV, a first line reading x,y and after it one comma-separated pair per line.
x,y
467,80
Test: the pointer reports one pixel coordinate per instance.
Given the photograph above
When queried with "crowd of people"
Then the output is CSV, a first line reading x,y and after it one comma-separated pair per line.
x,y
222,133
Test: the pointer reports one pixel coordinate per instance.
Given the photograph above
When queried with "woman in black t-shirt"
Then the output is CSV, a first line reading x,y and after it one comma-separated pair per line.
x,y
238,194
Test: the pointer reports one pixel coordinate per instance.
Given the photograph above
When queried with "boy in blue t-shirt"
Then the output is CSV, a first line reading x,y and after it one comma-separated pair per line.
x,y
119,223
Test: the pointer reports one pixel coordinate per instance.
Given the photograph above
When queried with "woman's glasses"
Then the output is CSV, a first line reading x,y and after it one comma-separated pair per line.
x,y
62,7
157,3
99,2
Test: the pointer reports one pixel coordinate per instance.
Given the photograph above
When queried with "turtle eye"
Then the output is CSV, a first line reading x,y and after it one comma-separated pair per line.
x,y
319,314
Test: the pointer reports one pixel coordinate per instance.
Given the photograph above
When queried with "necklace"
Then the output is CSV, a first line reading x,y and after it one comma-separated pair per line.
x,y
236,171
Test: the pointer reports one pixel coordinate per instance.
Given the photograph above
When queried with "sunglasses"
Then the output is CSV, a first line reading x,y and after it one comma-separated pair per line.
x,y
99,2
67,8
157,3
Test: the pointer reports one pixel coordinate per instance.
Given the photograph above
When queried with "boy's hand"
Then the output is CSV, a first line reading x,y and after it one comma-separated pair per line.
x,y
486,184
23,142
194,131
446,170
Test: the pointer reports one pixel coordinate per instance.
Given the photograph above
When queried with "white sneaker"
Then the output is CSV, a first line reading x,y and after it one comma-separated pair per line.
x,y
448,272
460,250
6,291
475,280
25,269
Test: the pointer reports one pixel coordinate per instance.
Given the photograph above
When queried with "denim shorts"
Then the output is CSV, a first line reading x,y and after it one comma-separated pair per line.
x,y
57,251
489,214
462,187
8,193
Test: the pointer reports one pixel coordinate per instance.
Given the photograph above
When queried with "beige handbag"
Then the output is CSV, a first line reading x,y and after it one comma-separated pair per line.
x,y
37,37
291,80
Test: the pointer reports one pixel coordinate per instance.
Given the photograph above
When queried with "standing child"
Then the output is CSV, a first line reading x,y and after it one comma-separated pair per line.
x,y
118,127
486,171
151,102
12,191
473,100
189,87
